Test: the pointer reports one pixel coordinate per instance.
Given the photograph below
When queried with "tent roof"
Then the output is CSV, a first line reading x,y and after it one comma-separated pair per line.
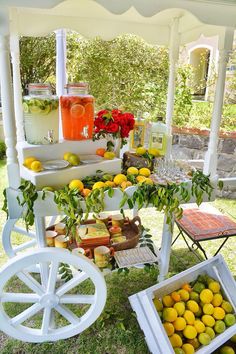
x,y
150,19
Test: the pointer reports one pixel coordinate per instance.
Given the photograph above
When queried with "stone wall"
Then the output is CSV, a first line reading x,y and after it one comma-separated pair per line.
x,y
192,144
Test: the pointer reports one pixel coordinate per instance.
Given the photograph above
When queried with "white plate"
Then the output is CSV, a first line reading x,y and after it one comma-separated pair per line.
x,y
90,159
55,164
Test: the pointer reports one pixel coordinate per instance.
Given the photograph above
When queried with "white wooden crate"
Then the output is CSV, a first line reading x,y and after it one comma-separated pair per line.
x,y
149,320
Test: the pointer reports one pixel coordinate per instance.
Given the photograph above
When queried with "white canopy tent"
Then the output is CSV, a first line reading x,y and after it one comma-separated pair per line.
x,y
162,22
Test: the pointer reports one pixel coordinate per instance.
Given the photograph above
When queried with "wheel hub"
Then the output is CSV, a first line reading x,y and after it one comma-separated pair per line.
x,y
49,300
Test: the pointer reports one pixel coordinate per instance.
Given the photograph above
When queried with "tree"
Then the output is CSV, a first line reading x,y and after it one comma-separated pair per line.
x,y
37,59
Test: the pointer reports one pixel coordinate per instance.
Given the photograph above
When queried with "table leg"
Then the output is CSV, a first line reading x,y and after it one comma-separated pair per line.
x,y
165,250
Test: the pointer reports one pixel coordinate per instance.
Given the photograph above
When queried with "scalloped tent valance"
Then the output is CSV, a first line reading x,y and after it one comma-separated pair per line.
x,y
150,19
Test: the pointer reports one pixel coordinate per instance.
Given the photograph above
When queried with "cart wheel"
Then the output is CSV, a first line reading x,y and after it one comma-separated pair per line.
x,y
63,309
8,229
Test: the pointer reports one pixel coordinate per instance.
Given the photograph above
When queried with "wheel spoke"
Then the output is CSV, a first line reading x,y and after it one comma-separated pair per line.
x,y
19,297
44,267
32,283
25,245
52,279
67,314
46,320
72,283
29,312
77,299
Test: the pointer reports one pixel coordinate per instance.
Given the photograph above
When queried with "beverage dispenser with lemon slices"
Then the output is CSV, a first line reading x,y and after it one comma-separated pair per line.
x,y
77,111
41,115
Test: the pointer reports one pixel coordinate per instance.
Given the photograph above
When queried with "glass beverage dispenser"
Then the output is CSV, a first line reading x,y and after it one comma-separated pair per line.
x,y
77,111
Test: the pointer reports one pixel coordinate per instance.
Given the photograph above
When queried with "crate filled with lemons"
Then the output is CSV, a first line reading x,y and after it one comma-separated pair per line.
x,y
195,314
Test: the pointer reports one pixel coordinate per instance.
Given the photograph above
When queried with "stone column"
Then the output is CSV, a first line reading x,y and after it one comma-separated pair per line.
x,y
210,163
173,58
8,113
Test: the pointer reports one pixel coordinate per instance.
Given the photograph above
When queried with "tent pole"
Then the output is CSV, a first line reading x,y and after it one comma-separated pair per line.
x,y
173,59
61,78
210,163
15,58
8,113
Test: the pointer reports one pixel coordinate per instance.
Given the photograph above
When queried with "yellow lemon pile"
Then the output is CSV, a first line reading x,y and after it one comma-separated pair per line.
x,y
193,315
33,164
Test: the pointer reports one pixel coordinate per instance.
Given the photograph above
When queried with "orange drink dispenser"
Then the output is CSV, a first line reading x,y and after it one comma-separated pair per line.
x,y
77,112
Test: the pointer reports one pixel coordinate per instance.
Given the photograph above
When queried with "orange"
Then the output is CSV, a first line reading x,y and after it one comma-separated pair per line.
x,y
125,185
169,328
140,179
76,184
77,110
175,296
85,192
89,109
100,152
188,348
110,183
186,287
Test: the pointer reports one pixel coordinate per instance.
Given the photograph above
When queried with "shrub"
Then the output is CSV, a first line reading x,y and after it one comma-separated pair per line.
x,y
2,150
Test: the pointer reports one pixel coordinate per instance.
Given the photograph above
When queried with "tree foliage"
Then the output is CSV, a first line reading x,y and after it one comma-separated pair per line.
x,y
37,59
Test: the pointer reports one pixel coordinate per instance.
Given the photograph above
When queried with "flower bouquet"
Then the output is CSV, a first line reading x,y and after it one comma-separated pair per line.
x,y
111,125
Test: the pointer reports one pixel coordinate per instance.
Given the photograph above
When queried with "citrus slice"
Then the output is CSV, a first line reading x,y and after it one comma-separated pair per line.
x,y
89,109
35,109
46,110
77,110
25,107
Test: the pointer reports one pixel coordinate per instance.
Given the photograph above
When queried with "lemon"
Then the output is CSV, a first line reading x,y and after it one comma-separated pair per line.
x,y
188,348
208,309
73,160
206,296
36,166
178,350
169,314
192,306
190,332
48,189
204,338
148,181
125,184
227,307
218,313
28,161
189,317
184,294
76,184
144,172
180,307
167,301
118,179
158,304
67,155
199,325
179,324
132,171
194,342
169,328
153,152
176,340
140,151
214,286
208,320
226,349
109,155
98,185
140,179
217,300
210,331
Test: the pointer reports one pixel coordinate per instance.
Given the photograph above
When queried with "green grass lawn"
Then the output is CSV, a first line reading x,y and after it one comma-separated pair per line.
x,y
117,330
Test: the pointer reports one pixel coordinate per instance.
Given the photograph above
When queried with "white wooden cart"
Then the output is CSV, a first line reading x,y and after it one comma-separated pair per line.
x,y
173,22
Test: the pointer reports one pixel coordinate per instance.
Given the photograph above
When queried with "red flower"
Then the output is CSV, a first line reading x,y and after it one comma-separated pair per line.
x,y
112,127
101,113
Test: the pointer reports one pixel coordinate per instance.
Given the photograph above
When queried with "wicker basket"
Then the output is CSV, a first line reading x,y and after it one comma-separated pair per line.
x,y
131,231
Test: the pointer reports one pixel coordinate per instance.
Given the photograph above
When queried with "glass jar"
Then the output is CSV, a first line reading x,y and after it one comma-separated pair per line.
x,y
158,136
41,115
77,112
